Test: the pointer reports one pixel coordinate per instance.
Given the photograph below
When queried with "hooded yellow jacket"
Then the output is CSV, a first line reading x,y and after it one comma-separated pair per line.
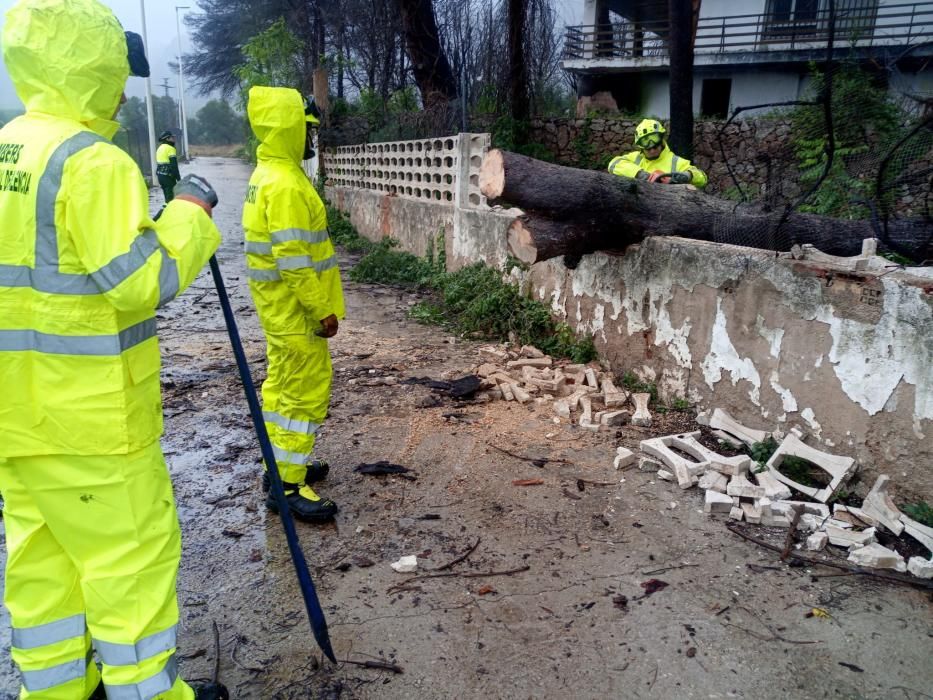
x,y
631,163
290,260
82,265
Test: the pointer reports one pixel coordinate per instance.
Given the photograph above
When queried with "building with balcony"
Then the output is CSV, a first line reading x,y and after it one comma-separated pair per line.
x,y
746,52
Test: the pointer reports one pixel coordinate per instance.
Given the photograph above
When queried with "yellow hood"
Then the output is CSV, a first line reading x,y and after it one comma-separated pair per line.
x,y
277,117
67,58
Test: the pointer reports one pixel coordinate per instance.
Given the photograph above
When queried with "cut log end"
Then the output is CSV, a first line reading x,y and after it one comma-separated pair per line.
x,y
492,175
521,243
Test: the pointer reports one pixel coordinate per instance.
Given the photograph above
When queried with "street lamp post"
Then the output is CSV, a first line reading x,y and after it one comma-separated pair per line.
x,y
181,81
149,112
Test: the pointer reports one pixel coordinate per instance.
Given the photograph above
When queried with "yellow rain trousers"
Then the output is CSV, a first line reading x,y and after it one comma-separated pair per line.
x,y
629,165
92,533
293,278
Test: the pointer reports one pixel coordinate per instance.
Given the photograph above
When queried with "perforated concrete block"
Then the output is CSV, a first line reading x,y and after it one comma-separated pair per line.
x,y
838,467
686,471
730,466
721,420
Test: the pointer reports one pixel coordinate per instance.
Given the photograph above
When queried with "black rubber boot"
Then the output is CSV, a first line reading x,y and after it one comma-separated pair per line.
x,y
305,504
210,691
317,471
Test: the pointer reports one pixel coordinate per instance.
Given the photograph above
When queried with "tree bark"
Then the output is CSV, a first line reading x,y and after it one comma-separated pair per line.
x,y
429,62
681,81
574,212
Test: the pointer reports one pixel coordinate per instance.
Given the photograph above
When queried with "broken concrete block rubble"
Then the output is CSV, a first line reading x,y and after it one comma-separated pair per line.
x,y
715,502
878,505
838,467
920,567
876,556
641,417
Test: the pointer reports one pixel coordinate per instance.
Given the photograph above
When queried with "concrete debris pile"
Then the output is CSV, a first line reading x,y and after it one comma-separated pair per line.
x,y
744,490
529,375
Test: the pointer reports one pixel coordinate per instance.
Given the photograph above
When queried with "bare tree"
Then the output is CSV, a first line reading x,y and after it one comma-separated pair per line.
x,y
429,62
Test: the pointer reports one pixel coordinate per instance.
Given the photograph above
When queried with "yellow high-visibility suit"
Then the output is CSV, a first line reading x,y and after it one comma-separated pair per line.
x,y
91,529
293,278
167,170
630,164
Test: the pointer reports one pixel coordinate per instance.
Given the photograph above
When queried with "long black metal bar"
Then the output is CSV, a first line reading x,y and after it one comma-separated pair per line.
x,y
308,592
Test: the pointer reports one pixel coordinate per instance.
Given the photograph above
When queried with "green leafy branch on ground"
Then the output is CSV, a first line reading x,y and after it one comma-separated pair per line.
x,y
473,302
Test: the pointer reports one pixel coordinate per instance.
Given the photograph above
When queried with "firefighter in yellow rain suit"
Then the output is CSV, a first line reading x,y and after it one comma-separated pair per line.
x,y
92,533
654,160
295,283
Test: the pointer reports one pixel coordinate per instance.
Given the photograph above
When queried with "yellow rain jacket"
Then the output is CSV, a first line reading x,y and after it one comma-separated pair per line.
x,y
631,163
167,161
83,267
91,528
293,278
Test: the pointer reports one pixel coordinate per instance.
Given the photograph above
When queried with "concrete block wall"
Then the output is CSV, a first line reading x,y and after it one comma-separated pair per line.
x,y
427,170
846,355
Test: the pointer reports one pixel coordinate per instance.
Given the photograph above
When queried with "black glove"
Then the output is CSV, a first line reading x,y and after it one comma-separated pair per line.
x,y
681,178
197,187
641,175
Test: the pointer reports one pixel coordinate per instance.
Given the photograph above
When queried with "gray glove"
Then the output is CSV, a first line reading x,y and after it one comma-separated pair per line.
x,y
641,175
197,187
681,178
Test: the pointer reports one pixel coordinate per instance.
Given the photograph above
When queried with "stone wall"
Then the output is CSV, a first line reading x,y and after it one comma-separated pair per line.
x,y
751,146
843,350
759,152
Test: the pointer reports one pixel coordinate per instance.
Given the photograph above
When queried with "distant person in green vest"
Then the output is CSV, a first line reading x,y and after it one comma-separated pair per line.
x,y
167,165
654,161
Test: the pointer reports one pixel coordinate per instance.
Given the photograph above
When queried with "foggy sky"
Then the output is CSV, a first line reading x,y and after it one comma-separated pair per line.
x,y
163,47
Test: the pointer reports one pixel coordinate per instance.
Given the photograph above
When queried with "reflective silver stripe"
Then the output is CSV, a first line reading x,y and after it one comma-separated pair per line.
x,y
45,276
296,426
299,262
294,262
638,159
263,275
26,340
114,654
299,234
674,162
34,681
258,247
284,456
49,633
156,684
613,162
168,278
46,194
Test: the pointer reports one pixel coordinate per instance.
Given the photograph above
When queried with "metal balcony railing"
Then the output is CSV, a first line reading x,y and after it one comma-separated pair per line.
x,y
858,24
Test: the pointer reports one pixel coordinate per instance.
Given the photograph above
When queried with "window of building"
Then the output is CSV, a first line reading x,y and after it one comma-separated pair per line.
x,y
714,99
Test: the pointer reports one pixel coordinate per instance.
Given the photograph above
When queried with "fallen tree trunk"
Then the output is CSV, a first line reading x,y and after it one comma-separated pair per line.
x,y
572,212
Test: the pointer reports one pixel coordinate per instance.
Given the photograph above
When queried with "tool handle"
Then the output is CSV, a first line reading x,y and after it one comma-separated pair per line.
x,y
308,592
